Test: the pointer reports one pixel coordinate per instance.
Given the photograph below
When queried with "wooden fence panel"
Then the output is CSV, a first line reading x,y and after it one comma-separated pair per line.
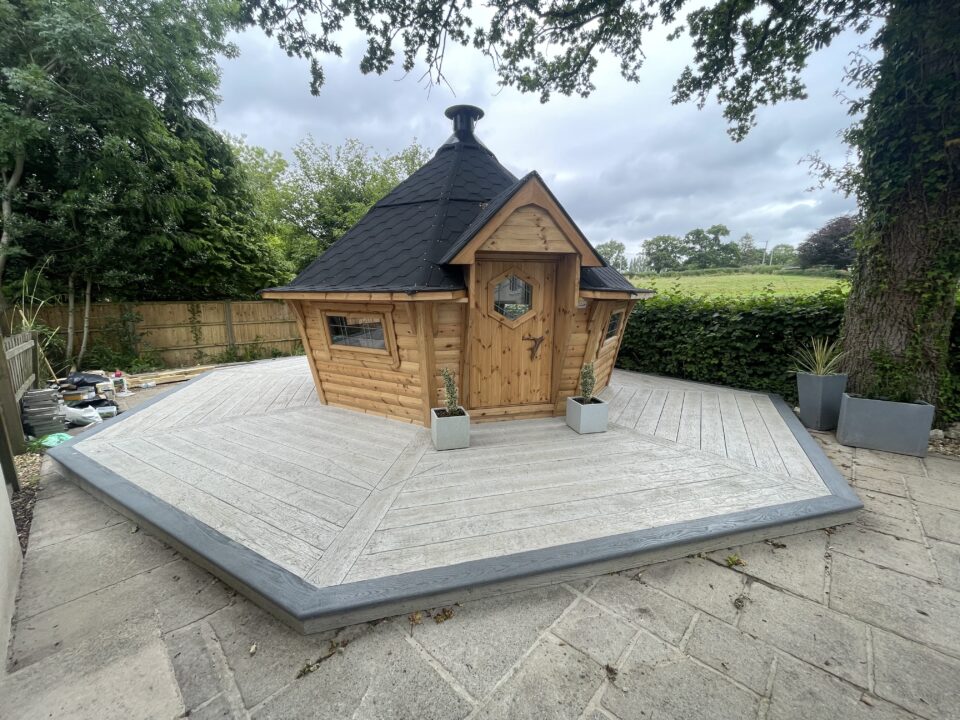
x,y
187,333
19,371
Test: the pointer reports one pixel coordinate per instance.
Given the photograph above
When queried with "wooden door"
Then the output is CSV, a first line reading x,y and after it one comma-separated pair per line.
x,y
512,333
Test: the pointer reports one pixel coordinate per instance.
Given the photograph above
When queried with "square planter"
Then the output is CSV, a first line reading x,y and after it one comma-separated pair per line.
x,y
589,418
820,399
895,427
450,433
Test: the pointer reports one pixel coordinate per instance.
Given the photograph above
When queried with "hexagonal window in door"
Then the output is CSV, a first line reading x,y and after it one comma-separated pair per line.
x,y
512,297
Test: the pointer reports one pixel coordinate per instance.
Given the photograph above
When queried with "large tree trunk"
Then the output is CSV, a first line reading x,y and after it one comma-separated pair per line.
x,y
86,324
11,182
899,312
71,322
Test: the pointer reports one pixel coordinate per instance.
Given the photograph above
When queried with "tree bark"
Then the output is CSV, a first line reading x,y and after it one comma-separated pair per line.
x,y
10,185
86,324
899,312
71,323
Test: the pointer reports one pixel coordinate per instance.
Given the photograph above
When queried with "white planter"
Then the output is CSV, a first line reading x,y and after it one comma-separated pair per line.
x,y
450,433
589,418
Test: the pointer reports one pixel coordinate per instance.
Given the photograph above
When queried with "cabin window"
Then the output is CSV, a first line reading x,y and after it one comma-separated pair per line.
x,y
357,331
512,297
613,326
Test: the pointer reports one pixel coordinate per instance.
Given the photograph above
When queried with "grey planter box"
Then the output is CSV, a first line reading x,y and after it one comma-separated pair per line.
x,y
589,418
820,399
895,427
450,433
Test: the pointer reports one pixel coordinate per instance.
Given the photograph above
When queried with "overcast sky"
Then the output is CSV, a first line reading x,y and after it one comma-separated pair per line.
x,y
624,162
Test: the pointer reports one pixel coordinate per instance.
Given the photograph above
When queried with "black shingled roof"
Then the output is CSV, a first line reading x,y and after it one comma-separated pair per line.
x,y
403,243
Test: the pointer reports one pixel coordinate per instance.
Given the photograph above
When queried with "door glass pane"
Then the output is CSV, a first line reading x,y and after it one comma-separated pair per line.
x,y
512,297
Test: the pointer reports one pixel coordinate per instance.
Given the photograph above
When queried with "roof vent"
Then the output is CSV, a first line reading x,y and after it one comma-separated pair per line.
x,y
464,118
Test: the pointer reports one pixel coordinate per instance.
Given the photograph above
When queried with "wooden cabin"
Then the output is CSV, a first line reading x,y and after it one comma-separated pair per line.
x,y
467,267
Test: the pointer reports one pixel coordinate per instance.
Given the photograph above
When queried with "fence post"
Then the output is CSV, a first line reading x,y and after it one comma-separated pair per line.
x,y
36,359
228,319
9,407
7,465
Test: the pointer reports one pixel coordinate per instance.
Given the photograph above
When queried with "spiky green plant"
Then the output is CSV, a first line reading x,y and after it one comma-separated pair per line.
x,y
451,397
821,357
588,381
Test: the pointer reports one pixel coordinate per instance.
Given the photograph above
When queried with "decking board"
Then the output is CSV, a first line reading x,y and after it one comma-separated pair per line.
x,y
339,498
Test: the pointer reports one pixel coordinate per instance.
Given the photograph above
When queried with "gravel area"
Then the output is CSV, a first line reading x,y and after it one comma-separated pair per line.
x,y
22,502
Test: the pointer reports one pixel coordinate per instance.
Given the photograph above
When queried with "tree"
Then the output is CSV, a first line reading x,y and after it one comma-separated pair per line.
x,y
96,73
704,248
615,253
331,188
747,54
638,263
830,245
783,254
664,252
750,254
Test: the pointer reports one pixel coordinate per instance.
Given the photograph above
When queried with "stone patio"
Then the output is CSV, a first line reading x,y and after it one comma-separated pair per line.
x,y
861,621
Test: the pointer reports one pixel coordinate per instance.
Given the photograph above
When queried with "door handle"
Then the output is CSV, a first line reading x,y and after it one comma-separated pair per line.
x,y
537,342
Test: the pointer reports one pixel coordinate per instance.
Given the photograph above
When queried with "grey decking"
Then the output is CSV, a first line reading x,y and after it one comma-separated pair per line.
x,y
338,498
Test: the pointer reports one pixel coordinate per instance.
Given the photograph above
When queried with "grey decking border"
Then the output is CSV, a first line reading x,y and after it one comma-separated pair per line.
x,y
309,608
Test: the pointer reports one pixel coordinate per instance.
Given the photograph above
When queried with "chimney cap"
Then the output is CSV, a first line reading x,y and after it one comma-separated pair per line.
x,y
468,112
464,118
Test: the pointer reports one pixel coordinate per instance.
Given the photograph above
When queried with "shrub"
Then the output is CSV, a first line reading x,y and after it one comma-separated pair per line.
x,y
588,381
747,341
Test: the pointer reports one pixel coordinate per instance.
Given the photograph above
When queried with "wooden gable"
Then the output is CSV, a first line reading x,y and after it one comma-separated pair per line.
x,y
531,221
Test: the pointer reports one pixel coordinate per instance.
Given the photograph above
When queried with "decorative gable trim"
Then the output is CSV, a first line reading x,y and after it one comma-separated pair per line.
x,y
531,191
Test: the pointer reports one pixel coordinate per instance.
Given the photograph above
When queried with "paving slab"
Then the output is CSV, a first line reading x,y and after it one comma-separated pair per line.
x,y
556,682
795,563
940,523
885,504
908,529
901,463
68,514
486,638
802,692
943,468
95,560
644,606
377,676
809,631
193,666
683,690
884,550
125,676
731,652
935,492
916,677
874,479
594,631
179,589
947,557
918,609
280,655
699,582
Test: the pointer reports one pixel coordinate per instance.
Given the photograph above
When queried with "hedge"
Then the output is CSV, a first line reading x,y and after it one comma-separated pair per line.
x,y
818,271
745,341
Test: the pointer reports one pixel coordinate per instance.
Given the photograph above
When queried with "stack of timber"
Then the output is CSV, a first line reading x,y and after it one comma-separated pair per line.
x,y
163,377
42,411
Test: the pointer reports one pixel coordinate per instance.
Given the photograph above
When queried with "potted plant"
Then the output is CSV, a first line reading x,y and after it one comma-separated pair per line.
x,y
891,421
819,386
586,413
449,425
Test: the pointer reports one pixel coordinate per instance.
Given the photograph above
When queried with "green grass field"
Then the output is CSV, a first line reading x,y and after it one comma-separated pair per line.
x,y
739,284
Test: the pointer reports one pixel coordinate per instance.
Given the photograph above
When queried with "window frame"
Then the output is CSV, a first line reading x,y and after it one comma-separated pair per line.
x,y
536,298
608,339
385,316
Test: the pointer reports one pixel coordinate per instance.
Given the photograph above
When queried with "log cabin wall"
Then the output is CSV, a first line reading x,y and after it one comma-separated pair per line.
x,y
388,383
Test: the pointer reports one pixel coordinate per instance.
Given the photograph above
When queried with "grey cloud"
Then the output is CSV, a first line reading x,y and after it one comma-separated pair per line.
x,y
625,162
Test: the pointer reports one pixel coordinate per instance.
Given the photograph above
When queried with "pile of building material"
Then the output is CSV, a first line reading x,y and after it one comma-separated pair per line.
x,y
91,392
42,412
162,377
